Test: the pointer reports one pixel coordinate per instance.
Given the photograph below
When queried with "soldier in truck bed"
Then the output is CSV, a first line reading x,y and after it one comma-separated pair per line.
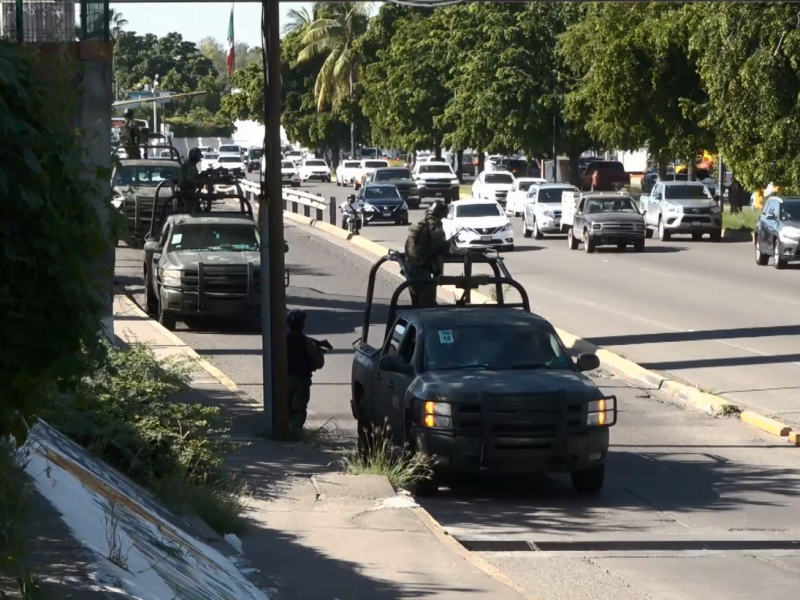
x,y
425,248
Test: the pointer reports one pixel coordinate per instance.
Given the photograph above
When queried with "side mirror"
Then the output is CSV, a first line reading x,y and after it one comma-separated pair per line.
x,y
152,247
394,363
588,362
771,217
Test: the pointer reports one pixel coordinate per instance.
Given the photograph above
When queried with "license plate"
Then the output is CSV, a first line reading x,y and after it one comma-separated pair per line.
x,y
387,214
486,238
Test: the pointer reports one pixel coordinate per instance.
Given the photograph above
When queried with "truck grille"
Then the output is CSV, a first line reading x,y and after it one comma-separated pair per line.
x,y
697,211
229,281
137,213
618,227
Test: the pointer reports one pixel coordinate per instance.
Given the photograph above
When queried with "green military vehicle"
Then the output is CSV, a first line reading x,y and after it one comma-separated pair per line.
x,y
482,388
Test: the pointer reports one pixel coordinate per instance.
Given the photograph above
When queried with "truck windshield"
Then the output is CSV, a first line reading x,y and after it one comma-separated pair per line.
x,y
375,164
551,195
492,347
390,174
498,178
435,168
686,192
610,205
215,237
145,176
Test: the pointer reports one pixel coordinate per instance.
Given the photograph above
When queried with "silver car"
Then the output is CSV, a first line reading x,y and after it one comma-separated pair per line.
x,y
777,232
681,207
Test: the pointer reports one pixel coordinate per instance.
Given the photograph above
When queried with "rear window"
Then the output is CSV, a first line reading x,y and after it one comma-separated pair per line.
x,y
499,178
686,192
223,149
375,164
608,167
517,164
230,159
316,163
351,164
287,164
552,195
389,174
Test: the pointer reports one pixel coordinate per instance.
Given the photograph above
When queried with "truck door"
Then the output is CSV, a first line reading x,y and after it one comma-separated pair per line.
x,y
653,202
577,221
385,382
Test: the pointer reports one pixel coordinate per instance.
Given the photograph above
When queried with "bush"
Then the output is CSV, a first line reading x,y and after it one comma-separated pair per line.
x,y
123,413
52,236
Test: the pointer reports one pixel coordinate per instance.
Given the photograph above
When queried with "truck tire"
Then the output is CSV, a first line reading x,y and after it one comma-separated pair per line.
x,y
588,243
572,241
663,234
638,246
589,481
165,319
525,231
536,233
648,233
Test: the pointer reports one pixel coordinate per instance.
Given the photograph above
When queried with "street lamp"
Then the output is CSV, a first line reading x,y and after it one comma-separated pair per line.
x,y
155,105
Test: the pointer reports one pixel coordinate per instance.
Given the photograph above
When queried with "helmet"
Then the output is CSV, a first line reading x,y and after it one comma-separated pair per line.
x,y
351,198
195,155
128,114
296,320
438,209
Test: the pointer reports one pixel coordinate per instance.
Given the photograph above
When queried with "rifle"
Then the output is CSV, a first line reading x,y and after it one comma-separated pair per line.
x,y
323,345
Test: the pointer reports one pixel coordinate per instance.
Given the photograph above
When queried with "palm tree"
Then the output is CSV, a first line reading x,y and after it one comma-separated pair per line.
x,y
116,22
297,20
333,35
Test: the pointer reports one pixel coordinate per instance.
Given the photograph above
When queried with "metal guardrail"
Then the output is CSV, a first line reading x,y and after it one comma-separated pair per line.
x,y
297,201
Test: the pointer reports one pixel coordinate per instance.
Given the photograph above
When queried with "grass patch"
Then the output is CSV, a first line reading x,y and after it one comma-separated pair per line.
x,y
14,509
397,163
465,189
742,221
403,470
123,414
730,410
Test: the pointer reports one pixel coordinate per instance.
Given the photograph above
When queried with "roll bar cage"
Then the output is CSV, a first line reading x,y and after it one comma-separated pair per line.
x,y
467,282
198,203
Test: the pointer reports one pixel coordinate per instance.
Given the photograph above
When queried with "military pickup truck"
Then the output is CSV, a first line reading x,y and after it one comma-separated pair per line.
x,y
481,388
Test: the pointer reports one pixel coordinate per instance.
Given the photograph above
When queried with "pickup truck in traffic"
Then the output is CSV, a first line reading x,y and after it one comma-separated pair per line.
x,y
682,207
482,389
602,219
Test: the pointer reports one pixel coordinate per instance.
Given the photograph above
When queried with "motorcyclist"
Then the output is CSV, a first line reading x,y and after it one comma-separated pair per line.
x,y
350,210
130,137
303,357
425,249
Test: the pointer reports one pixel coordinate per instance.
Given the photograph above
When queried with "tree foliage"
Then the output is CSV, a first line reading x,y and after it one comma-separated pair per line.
x,y
52,236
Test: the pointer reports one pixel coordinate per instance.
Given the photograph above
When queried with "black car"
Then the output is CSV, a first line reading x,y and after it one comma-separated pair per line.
x,y
381,202
607,221
254,159
516,166
402,179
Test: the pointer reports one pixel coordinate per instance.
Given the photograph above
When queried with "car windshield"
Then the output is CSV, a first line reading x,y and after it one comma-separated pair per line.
x,y
551,195
235,149
594,206
351,164
516,164
790,211
499,178
287,164
685,192
383,192
210,156
316,163
609,167
145,176
478,210
520,346
215,237
230,159
435,168
375,164
389,174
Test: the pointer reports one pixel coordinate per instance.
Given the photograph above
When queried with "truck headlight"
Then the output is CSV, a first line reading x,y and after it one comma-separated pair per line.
x,y
715,210
596,226
601,412
674,208
437,414
548,213
454,181
171,278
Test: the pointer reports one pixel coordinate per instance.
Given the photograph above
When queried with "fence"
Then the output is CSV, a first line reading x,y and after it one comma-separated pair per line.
x,y
39,21
314,207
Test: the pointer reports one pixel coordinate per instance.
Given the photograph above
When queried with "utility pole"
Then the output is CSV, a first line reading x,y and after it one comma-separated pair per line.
x,y
273,292
720,179
555,156
155,105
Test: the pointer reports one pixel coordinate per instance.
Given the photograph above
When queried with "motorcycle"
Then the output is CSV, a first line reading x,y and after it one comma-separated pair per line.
x,y
351,219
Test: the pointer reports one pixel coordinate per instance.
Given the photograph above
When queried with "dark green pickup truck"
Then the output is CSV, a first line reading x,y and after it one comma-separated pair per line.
x,y
483,388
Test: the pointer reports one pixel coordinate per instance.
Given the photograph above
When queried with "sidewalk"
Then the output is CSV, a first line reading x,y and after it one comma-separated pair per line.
x,y
316,533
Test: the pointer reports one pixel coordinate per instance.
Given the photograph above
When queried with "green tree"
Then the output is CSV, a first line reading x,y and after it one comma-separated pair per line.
x,y
297,20
116,21
747,56
333,35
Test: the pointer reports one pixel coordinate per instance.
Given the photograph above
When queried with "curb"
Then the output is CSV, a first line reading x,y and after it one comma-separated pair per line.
x,y
223,379
447,540
690,396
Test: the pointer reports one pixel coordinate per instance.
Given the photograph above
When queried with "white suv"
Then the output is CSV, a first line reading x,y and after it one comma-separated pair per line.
x,y
542,211
493,185
346,172
316,169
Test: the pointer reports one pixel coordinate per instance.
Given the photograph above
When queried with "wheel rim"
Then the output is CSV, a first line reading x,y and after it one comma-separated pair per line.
x,y
661,229
758,251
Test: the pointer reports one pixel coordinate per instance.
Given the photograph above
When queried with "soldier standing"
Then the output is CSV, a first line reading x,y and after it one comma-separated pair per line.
x,y
303,358
425,249
130,137
189,174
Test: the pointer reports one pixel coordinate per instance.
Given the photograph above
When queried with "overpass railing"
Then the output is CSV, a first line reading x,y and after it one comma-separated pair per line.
x,y
296,201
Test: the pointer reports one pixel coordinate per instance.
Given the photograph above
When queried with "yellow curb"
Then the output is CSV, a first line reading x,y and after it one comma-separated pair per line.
x,y
298,218
794,438
628,367
706,402
332,229
447,540
766,424
369,245
223,379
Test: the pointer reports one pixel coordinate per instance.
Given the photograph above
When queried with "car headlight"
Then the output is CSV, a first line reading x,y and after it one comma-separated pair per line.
x,y
171,278
404,206
548,214
506,227
674,208
368,207
601,412
117,202
454,181
715,209
790,234
437,414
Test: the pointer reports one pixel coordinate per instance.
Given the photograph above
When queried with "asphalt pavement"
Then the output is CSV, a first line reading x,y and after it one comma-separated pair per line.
x,y
694,507
700,312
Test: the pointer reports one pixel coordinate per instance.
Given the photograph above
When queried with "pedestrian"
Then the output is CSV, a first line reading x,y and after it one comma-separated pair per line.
x,y
425,249
130,137
304,357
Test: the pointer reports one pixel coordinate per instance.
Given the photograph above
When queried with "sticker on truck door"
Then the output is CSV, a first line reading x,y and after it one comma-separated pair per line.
x,y
446,337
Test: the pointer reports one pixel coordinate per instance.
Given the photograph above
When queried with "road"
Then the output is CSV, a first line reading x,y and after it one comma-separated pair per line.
x,y
702,313
678,480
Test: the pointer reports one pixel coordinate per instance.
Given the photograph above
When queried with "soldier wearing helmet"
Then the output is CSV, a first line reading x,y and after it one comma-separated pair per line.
x,y
425,249
130,137
303,357
188,179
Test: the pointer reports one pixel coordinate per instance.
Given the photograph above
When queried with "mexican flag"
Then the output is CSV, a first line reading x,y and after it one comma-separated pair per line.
x,y
231,48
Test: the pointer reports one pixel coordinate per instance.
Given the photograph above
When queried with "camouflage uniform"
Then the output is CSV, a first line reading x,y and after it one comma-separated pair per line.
x,y
425,249
129,138
303,357
187,184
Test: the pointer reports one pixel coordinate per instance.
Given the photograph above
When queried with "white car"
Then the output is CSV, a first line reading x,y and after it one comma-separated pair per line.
x,y
436,180
493,185
231,161
515,202
314,169
542,210
479,224
231,149
347,171
205,149
289,174
296,156
366,168
209,161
